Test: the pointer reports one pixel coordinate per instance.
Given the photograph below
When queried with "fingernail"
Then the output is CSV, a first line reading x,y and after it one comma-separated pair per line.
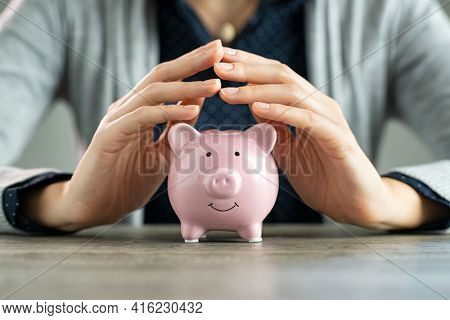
x,y
190,107
225,66
211,49
214,42
261,105
210,82
230,52
230,91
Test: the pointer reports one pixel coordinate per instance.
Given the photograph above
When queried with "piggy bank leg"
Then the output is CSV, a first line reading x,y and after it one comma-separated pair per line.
x,y
191,233
252,233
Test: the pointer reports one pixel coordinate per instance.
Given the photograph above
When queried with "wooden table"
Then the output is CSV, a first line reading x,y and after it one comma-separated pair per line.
x,y
293,262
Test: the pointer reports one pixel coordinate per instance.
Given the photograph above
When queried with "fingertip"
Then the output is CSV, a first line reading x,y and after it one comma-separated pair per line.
x,y
231,99
230,91
219,83
231,55
212,82
217,42
210,57
216,83
225,97
211,87
217,54
223,67
217,70
230,51
213,43
191,107
260,107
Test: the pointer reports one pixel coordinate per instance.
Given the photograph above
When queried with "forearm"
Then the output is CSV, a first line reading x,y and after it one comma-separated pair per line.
x,y
44,205
15,185
405,208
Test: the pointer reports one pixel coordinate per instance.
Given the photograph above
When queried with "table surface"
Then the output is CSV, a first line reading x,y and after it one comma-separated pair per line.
x,y
292,262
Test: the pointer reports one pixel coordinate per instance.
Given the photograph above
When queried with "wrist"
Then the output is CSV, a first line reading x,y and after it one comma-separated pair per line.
x,y
402,207
46,206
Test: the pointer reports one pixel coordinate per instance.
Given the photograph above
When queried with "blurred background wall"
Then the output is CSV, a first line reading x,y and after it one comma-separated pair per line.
x,y
53,145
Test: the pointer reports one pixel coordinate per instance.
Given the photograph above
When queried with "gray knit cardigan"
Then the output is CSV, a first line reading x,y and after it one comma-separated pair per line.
x,y
377,58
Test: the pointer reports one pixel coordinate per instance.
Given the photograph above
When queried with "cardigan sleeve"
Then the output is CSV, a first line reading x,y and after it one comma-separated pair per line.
x,y
31,64
420,88
11,202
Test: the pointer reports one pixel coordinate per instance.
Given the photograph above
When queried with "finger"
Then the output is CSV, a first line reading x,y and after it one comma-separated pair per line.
x,y
286,94
233,55
148,116
317,126
209,45
283,132
270,93
258,73
162,140
116,104
185,66
198,102
162,92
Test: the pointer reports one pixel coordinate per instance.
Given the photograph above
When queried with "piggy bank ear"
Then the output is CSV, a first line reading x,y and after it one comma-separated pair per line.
x,y
179,135
264,135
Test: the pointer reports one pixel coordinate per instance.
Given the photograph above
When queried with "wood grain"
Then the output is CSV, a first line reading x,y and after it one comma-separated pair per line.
x,y
293,262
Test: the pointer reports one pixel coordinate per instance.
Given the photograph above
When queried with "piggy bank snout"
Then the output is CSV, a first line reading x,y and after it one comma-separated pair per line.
x,y
224,183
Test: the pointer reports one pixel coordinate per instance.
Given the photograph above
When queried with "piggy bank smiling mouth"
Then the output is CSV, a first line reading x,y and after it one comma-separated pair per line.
x,y
221,190
223,210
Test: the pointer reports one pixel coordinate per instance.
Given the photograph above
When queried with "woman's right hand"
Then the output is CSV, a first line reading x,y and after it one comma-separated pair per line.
x,y
121,169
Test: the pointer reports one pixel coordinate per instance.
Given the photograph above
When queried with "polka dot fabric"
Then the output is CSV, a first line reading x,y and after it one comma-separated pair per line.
x,y
273,32
276,32
11,202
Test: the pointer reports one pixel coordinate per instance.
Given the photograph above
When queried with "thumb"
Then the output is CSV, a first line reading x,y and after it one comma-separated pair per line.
x,y
199,102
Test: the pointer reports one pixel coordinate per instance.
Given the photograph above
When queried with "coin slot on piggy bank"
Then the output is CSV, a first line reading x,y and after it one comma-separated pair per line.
x,y
222,180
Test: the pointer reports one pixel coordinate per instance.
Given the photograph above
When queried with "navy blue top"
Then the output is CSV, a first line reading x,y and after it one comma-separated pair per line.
x,y
275,31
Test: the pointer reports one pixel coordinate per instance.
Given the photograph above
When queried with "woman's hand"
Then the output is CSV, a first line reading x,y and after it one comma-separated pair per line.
x,y
323,161
122,167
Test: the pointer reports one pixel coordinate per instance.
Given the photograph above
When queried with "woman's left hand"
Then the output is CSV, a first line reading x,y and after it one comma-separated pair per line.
x,y
323,161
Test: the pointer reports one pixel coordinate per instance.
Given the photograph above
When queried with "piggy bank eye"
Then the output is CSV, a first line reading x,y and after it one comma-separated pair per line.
x,y
208,154
237,154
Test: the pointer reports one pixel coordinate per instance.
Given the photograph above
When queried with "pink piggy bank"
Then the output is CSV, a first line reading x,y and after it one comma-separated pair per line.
x,y
222,180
